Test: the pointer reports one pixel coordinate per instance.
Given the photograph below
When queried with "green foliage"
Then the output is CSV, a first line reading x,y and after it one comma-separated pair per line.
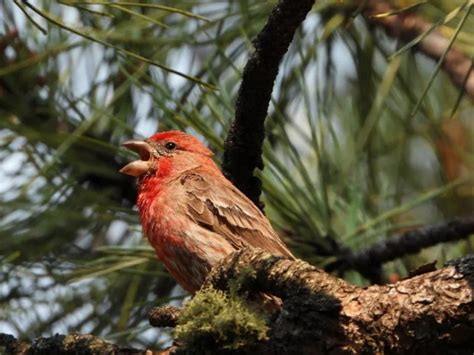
x,y
363,141
213,319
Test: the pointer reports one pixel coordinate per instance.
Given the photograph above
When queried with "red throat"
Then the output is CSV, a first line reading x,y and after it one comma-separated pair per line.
x,y
150,185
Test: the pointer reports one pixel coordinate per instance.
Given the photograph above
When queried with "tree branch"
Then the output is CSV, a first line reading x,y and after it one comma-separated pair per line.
x,y
407,26
410,242
430,312
66,344
243,146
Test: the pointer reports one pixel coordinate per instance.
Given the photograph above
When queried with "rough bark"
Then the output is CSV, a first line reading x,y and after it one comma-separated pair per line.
x,y
429,313
243,146
411,242
78,344
164,316
432,312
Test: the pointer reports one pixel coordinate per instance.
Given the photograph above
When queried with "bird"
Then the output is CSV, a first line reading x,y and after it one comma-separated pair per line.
x,y
192,215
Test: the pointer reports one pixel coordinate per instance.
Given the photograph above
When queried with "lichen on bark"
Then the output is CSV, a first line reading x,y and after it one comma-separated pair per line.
x,y
216,320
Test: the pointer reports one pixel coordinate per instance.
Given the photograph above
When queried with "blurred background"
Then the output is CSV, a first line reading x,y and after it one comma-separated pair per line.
x,y
366,138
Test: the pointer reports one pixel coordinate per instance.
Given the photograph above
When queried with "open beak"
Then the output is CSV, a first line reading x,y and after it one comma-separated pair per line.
x,y
139,167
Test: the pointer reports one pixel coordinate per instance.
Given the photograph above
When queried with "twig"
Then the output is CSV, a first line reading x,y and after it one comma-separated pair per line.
x,y
410,242
123,51
29,17
243,146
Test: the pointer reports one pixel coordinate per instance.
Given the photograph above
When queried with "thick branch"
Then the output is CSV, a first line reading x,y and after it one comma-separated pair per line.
x,y
407,26
407,243
243,147
430,312
66,344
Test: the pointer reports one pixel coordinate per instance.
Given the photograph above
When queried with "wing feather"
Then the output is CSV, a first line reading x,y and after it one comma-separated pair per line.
x,y
224,210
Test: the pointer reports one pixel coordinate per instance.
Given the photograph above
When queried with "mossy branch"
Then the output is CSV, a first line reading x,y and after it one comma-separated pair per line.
x,y
66,344
430,311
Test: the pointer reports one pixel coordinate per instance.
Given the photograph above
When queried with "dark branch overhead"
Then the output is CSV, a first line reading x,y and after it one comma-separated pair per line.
x,y
410,242
243,146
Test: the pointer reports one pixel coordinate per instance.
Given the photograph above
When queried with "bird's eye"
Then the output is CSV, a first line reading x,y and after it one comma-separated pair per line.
x,y
170,145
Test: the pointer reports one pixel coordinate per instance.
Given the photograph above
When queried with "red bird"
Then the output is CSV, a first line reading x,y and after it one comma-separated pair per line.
x,y
191,214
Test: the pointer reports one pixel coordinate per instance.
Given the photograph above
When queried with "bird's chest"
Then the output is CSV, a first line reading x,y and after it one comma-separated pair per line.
x,y
165,225
161,221
167,232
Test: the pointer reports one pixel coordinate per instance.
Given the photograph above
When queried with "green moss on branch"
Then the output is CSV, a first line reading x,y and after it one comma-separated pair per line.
x,y
215,320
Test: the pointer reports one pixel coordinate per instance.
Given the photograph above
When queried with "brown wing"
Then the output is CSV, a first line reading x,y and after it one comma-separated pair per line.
x,y
225,210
